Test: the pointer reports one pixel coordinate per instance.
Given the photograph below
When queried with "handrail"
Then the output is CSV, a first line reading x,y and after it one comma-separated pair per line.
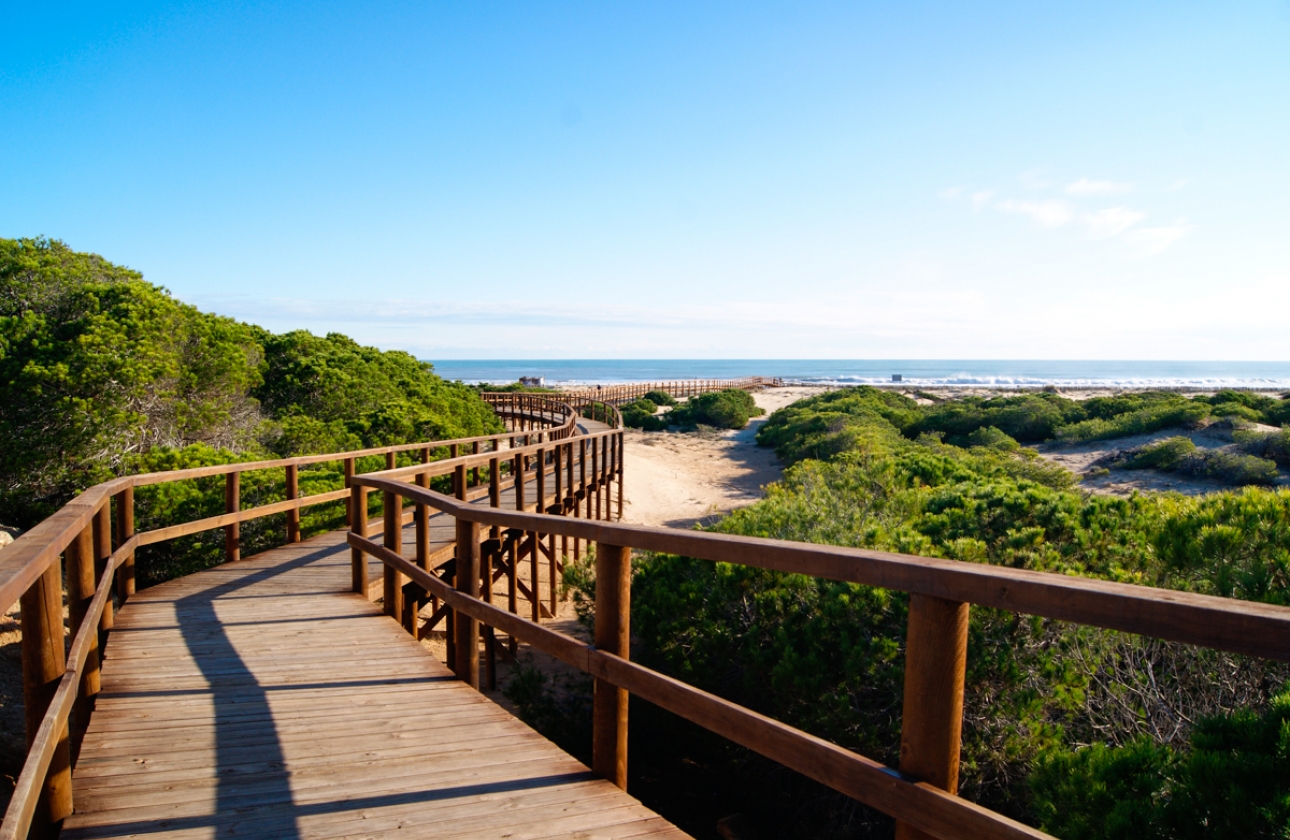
x,y
57,686
941,592
617,394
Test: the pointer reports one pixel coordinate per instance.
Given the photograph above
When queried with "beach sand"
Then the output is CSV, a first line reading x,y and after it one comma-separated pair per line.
x,y
678,479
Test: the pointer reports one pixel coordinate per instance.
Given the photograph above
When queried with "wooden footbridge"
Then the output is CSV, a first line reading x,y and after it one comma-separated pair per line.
x,y
273,696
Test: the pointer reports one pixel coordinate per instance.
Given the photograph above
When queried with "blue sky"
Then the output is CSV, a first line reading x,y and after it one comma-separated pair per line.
x,y
676,180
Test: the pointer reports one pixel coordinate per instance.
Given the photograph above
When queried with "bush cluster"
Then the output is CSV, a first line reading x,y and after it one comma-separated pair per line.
x,y
105,374
1180,455
642,414
729,409
827,657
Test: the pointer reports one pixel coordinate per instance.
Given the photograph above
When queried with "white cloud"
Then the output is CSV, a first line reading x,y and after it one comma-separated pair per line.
x,y
1085,186
1047,213
1177,185
1153,240
981,199
950,193
1112,221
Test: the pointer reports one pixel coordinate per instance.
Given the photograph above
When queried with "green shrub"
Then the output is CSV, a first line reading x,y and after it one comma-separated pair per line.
x,y
1233,781
1229,467
660,398
729,409
1278,413
1029,418
646,405
1274,446
1162,414
1234,409
992,438
1164,454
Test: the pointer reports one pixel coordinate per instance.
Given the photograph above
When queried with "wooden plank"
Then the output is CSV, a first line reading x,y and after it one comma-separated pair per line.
x,y
221,715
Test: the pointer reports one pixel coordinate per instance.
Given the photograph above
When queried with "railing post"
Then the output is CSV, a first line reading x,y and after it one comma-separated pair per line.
x,y
467,628
102,551
124,531
43,664
349,503
613,635
293,492
392,515
357,559
932,718
232,504
423,517
80,591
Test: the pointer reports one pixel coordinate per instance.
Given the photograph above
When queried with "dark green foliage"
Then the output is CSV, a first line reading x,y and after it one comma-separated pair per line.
x,y
1164,454
1029,418
1274,446
96,365
827,656
1229,467
104,374
1233,782
729,409
1152,417
641,415
660,398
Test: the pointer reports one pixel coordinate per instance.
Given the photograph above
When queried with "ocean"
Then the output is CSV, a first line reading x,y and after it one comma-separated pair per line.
x,y
913,373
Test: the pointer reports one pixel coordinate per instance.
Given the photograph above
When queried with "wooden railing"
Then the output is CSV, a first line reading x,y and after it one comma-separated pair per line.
x,y
94,535
920,793
618,394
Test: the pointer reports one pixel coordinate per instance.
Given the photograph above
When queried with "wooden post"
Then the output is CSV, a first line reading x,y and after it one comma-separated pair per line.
x,y
391,513
102,551
613,635
232,504
474,472
124,531
932,719
357,559
391,460
293,492
80,591
467,638
43,664
621,453
423,523
349,503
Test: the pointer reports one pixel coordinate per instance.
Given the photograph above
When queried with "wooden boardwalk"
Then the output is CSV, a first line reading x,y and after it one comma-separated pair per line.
x,y
262,699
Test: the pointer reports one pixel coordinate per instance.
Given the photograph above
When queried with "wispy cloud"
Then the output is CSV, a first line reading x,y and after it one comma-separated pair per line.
x,y
1154,240
1034,179
1112,221
1046,213
1177,185
1086,186
950,193
981,199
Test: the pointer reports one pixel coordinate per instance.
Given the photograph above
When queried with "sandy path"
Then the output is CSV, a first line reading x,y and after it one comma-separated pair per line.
x,y
680,478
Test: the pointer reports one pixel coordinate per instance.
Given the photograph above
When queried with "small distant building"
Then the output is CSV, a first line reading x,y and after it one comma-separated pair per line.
x,y
533,381
896,377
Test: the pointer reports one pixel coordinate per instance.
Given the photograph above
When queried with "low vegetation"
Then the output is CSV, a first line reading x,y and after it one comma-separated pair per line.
x,y
729,409
1173,725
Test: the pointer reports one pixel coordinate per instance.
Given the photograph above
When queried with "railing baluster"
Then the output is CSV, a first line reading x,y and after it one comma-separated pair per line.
x,y
932,718
612,635
102,551
467,628
43,664
232,504
124,531
293,492
391,514
80,591
357,559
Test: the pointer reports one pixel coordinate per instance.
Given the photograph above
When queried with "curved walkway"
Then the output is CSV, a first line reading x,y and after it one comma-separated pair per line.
x,y
262,699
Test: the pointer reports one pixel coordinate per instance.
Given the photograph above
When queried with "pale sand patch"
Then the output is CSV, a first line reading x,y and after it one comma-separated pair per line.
x,y
677,479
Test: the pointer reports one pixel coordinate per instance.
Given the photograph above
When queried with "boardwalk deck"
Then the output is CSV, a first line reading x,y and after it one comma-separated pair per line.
x,y
262,699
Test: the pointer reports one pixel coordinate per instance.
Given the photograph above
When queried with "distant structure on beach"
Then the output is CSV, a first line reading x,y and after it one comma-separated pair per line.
x,y
533,381
896,377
